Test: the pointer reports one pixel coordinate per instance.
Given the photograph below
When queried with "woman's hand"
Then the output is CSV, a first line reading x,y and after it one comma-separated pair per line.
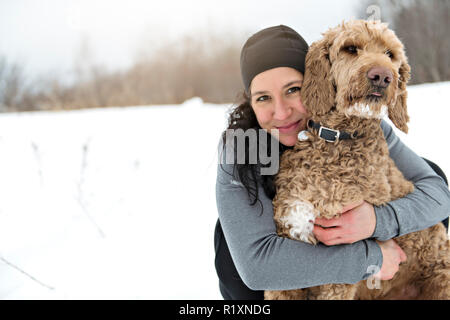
x,y
357,222
393,255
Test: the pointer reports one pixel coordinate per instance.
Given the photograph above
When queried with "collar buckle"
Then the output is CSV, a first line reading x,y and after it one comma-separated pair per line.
x,y
329,135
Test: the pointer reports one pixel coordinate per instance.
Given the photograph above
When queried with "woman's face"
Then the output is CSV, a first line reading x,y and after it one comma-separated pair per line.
x,y
275,99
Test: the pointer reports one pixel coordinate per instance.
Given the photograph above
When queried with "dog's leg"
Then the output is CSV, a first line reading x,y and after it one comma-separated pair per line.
x,y
298,294
337,292
295,219
400,187
437,287
434,262
426,273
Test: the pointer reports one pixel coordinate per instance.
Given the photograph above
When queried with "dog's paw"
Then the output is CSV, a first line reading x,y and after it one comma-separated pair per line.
x,y
299,220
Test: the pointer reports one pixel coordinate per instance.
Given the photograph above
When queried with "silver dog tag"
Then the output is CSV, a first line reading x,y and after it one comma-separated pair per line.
x,y
302,136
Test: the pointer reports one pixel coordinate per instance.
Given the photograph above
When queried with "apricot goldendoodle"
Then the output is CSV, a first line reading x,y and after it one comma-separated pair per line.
x,y
355,74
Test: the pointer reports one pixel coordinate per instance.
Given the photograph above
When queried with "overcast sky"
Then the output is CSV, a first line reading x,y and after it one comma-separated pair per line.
x,y
46,35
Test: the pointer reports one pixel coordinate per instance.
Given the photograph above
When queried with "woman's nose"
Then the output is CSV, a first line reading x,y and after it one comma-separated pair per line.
x,y
282,110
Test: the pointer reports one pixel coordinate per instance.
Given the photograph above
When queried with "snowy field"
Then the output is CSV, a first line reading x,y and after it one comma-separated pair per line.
x,y
119,203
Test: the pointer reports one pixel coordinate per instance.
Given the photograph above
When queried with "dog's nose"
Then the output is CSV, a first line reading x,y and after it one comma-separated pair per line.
x,y
380,76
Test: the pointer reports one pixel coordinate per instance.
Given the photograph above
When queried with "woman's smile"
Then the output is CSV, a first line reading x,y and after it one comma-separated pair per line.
x,y
289,128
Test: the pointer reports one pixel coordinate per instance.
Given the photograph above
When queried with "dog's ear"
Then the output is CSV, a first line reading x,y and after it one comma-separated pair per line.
x,y
318,92
398,112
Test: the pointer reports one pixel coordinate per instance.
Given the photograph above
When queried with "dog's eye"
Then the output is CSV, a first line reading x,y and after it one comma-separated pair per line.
x,y
351,49
389,54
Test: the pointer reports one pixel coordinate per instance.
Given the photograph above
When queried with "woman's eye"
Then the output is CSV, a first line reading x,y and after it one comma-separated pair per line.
x,y
294,89
262,98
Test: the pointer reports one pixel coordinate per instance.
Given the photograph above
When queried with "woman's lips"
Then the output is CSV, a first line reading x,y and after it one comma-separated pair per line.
x,y
289,128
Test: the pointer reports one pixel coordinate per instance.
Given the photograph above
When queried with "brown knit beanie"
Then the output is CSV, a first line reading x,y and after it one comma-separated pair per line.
x,y
273,47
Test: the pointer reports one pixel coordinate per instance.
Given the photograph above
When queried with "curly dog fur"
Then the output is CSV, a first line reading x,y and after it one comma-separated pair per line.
x,y
318,178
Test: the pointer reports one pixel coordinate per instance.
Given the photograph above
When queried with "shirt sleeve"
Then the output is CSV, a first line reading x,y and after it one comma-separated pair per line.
x,y
426,206
266,261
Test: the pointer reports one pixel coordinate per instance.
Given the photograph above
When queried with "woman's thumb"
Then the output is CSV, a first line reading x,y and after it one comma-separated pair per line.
x,y
402,255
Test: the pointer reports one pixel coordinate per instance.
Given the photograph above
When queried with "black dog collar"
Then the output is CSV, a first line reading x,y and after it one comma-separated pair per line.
x,y
331,135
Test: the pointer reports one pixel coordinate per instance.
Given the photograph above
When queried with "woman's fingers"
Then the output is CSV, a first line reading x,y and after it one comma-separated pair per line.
x,y
334,242
328,236
333,236
402,255
328,223
393,255
352,206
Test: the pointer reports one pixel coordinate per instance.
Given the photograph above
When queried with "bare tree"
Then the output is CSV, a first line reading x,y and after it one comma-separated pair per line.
x,y
204,65
11,85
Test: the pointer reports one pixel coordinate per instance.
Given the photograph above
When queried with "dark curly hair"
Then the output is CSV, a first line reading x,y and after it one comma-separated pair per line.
x,y
243,117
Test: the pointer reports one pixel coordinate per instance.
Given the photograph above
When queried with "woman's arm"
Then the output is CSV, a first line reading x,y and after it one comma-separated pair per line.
x,y
266,261
426,206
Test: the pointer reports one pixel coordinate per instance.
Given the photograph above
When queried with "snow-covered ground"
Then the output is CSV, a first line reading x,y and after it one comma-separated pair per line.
x,y
119,203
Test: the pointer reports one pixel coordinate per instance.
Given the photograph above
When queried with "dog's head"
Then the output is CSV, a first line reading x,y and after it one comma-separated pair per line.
x,y
359,67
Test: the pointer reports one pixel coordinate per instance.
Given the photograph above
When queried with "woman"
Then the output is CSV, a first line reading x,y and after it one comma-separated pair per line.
x,y
250,257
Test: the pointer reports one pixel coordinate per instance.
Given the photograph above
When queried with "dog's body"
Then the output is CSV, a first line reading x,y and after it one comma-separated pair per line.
x,y
317,178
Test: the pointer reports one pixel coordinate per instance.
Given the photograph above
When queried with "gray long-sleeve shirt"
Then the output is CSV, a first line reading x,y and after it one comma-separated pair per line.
x,y
266,261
